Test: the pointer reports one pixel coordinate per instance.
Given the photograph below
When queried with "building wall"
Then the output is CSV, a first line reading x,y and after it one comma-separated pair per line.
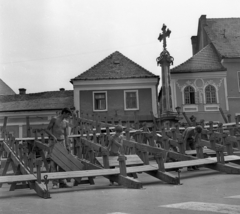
x,y
233,85
199,81
147,88
115,100
16,123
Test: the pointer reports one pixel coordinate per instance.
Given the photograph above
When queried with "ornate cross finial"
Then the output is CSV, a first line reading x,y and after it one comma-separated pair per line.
x,y
163,35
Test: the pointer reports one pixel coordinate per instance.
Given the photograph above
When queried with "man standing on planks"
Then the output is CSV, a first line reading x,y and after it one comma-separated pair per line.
x,y
58,131
115,146
189,137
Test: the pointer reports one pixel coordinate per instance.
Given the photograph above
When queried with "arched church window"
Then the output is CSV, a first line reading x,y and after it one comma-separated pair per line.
x,y
189,95
210,92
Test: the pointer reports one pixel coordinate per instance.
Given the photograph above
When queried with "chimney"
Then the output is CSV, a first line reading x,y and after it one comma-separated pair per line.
x,y
22,91
62,89
194,44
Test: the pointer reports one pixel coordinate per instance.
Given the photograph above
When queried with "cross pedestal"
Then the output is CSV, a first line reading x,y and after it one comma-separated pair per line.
x,y
165,60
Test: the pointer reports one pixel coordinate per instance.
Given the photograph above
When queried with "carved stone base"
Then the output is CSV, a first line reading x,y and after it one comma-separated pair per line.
x,y
170,117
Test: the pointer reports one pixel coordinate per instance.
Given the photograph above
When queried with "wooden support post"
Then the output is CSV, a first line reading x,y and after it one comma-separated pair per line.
x,y
228,144
107,130
79,148
112,121
160,162
212,140
202,123
180,144
162,174
94,137
136,121
4,172
199,147
4,127
25,154
237,121
122,165
229,118
145,156
91,155
38,165
30,160
165,139
28,127
105,160
238,141
223,116
187,119
21,152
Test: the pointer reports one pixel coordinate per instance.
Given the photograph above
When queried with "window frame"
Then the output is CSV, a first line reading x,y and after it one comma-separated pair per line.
x,y
125,101
216,100
194,92
238,77
106,100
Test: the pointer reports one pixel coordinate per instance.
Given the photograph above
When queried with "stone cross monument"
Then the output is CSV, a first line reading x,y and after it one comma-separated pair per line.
x,y
165,60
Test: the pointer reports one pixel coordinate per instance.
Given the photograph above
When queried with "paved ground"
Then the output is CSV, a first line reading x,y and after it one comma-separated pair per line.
x,y
203,191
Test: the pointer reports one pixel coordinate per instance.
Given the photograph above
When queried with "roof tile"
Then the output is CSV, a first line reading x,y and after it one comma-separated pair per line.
x,y
37,101
115,66
225,35
205,60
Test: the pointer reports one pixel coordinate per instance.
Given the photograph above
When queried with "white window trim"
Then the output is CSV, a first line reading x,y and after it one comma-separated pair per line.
x,y
194,108
238,75
211,105
97,92
183,95
125,104
204,95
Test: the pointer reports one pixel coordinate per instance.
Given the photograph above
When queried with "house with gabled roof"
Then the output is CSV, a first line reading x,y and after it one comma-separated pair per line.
x,y
211,77
116,85
38,107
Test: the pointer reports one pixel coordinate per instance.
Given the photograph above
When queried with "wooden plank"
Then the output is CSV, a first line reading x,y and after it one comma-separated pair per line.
x,y
227,168
61,157
113,160
40,189
71,158
165,176
81,174
62,161
16,178
130,182
122,180
64,164
205,151
228,158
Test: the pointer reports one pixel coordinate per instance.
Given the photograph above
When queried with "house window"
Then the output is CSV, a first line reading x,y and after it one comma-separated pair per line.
x,y
210,92
238,77
189,95
131,100
100,101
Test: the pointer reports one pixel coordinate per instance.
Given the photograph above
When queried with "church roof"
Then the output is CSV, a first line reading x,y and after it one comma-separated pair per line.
x,y
53,100
5,89
206,59
115,66
224,33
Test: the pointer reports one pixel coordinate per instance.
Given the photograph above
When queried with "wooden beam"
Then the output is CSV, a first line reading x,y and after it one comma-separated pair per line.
x,y
40,188
122,180
165,176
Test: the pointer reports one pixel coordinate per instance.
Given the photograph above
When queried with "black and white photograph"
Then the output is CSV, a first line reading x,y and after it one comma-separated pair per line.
x,y
119,107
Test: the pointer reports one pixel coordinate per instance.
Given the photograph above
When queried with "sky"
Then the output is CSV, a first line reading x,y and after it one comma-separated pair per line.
x,y
46,43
